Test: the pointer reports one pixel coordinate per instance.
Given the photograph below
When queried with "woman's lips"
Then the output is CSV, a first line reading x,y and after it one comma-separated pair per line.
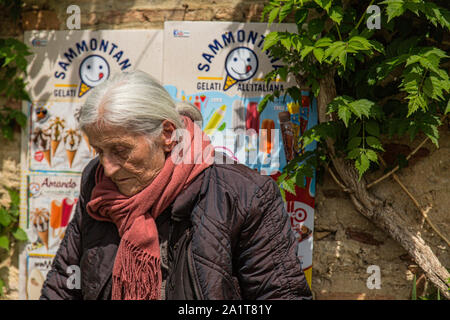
x,y
121,180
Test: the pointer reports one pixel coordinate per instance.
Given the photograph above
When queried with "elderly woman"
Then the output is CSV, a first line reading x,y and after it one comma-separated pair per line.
x,y
150,226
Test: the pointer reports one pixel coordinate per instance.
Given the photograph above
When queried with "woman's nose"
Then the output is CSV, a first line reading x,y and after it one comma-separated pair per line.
x,y
110,165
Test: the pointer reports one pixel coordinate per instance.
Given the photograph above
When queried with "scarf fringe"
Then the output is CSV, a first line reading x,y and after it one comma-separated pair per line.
x,y
136,275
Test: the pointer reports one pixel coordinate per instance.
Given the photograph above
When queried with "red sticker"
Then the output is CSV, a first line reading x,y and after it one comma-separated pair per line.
x,y
38,156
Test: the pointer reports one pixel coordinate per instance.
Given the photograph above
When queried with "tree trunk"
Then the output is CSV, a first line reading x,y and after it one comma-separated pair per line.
x,y
380,212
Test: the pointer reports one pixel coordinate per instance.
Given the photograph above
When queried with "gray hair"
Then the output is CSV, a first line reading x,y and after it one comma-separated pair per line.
x,y
135,101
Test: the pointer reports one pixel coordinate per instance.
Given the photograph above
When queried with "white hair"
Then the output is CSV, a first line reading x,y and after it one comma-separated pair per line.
x,y
135,101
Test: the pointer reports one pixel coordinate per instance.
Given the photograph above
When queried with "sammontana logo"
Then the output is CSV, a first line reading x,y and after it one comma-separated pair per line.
x,y
241,63
94,69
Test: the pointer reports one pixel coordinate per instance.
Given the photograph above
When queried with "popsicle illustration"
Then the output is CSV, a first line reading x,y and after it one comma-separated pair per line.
x,y
265,139
39,218
41,139
215,120
55,215
72,141
252,129
238,126
252,118
67,205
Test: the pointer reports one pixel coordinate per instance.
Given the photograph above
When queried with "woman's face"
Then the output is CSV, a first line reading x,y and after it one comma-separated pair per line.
x,y
129,159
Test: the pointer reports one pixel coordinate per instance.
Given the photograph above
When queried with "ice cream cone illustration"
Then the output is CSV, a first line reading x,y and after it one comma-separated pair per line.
x,y
241,64
41,139
93,70
39,218
55,144
72,141
229,82
83,89
48,157
56,128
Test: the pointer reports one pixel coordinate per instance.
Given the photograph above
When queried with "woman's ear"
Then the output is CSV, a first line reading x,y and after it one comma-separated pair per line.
x,y
168,129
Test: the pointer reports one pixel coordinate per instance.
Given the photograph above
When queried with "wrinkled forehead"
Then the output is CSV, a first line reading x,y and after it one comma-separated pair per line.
x,y
101,131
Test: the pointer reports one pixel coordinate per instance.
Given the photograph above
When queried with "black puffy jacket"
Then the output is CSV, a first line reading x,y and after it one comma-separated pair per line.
x,y
229,237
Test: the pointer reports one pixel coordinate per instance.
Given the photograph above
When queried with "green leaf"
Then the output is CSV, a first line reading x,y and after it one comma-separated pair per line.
x,y
273,15
336,14
318,53
5,218
285,10
270,40
324,4
343,58
447,109
323,42
289,185
361,107
372,128
307,50
4,242
354,129
362,164
394,8
415,102
372,155
354,143
300,16
20,235
344,114
353,154
315,26
374,143
359,43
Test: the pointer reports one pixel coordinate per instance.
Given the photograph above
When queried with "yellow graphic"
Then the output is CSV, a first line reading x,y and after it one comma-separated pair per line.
x,y
214,122
83,89
229,81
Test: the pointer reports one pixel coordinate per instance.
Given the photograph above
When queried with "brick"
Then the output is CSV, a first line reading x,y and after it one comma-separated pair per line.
x,y
40,20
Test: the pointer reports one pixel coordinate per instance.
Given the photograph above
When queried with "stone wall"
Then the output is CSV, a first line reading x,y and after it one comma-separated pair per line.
x,y
345,243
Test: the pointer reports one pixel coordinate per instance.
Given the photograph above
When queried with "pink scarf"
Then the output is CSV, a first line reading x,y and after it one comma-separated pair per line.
x,y
137,270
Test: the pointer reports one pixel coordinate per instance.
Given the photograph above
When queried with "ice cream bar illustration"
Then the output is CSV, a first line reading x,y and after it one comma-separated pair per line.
x,y
266,139
72,141
294,110
215,120
56,128
287,134
67,205
34,284
41,139
39,218
238,115
55,215
252,117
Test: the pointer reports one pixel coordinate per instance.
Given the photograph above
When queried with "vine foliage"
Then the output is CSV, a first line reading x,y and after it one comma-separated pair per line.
x,y
390,82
